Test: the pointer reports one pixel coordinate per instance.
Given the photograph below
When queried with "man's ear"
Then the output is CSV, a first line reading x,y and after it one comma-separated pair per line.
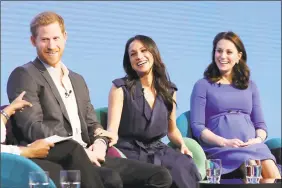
x,y
32,40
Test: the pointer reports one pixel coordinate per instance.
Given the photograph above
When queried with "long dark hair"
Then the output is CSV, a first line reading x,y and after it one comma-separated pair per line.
x,y
240,71
161,81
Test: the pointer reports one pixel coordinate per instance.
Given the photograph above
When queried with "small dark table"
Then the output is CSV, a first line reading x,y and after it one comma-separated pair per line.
x,y
239,183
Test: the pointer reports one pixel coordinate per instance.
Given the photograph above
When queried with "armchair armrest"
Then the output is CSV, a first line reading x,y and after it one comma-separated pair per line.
x,y
15,171
273,143
199,155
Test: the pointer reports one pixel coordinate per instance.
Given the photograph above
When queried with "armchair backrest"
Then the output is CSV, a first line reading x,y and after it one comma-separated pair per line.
x,y
183,124
102,116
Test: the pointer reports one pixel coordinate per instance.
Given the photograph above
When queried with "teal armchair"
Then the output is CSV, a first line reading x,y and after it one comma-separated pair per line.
x,y
198,153
14,171
199,156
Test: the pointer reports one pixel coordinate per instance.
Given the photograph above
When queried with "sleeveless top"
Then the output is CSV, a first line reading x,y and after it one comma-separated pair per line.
x,y
138,120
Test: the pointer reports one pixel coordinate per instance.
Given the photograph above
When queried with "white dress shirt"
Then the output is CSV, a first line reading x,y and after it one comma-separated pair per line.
x,y
60,76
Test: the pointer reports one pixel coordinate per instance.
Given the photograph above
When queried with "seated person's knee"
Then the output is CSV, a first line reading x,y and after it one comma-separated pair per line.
x,y
161,178
112,180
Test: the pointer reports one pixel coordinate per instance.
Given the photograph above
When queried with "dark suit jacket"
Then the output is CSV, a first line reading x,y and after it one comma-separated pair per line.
x,y
48,115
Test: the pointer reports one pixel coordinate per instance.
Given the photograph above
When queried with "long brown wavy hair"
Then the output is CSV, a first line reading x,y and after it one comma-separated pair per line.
x,y
240,71
161,80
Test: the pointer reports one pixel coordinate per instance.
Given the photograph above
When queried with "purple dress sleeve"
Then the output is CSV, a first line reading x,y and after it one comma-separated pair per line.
x,y
197,108
256,114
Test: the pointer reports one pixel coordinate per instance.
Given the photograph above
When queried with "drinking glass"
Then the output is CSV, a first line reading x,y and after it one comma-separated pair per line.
x,y
39,179
213,170
70,178
253,171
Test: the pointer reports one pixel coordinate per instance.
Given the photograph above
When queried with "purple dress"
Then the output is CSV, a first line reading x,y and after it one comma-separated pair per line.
x,y
140,131
231,113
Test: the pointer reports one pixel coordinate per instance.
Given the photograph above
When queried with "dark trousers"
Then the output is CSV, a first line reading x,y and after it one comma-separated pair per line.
x,y
131,173
114,173
69,155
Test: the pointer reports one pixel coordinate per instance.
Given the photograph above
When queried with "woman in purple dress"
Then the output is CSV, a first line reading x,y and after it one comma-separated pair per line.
x,y
142,110
226,115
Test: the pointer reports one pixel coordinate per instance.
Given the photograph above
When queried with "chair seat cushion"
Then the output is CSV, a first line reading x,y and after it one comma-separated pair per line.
x,y
114,152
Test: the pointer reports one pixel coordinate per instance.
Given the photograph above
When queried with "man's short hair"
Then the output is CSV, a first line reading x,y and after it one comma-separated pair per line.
x,y
46,18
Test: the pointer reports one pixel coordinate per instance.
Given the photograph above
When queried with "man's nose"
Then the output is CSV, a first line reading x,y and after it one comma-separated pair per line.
x,y
51,44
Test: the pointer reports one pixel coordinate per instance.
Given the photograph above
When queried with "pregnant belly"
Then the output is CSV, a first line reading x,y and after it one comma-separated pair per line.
x,y
232,126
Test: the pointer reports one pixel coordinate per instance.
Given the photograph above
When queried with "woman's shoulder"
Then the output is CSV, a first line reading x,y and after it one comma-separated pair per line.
x,y
202,82
201,86
119,82
253,85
